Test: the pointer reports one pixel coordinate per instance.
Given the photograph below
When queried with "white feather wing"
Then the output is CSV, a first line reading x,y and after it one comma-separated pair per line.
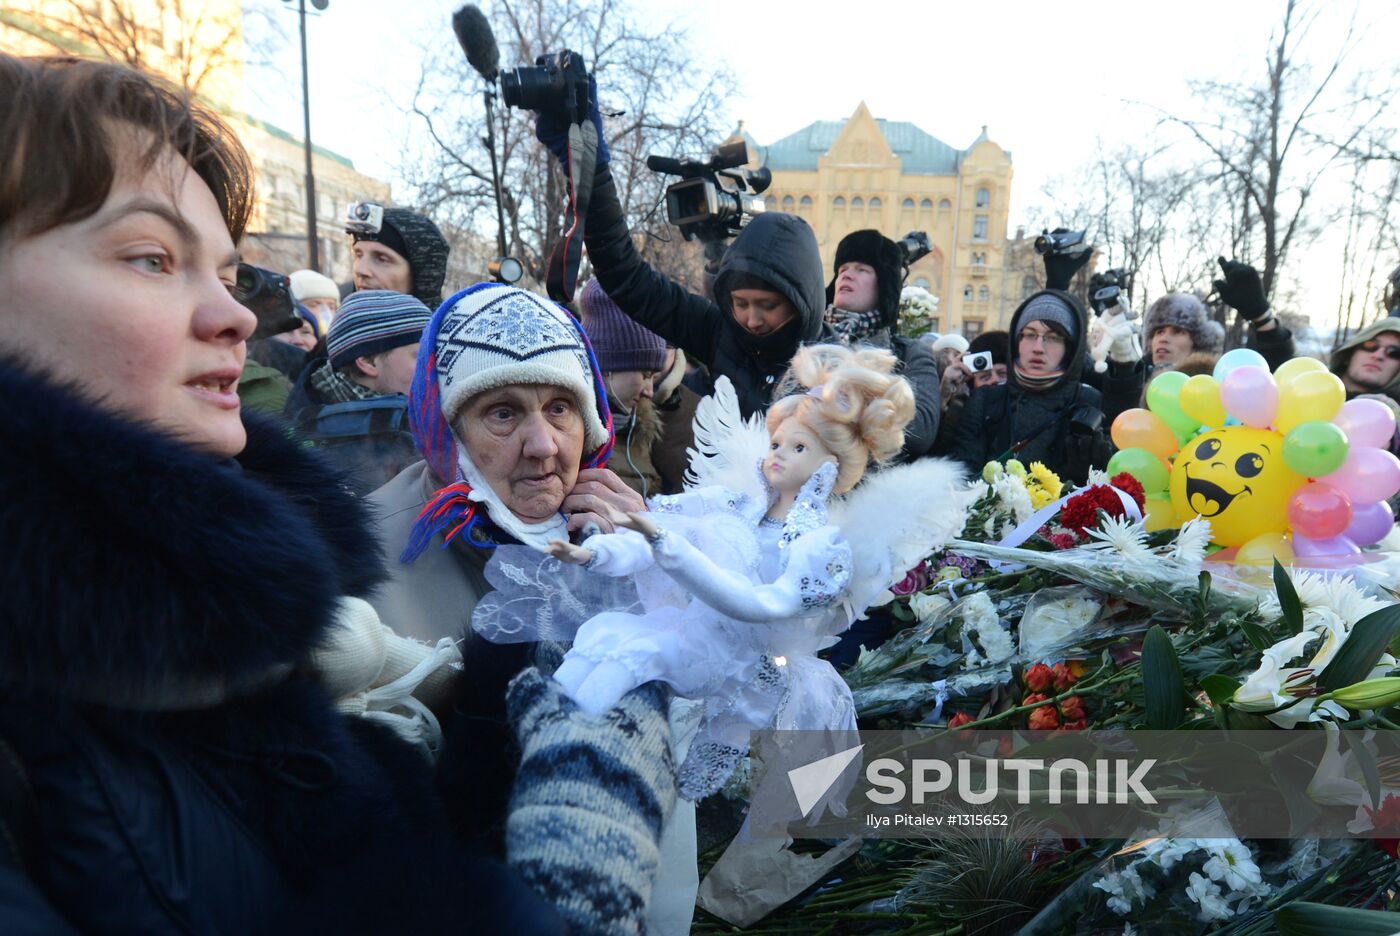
x,y
897,517
727,447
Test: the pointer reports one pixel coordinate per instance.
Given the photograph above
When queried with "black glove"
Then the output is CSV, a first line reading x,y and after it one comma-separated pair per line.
x,y
1060,268
552,128
1242,290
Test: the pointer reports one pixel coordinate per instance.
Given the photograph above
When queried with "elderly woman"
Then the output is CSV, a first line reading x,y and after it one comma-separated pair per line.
x,y
174,575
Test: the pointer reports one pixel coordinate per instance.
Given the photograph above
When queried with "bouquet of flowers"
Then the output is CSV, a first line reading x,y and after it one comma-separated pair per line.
x,y
918,310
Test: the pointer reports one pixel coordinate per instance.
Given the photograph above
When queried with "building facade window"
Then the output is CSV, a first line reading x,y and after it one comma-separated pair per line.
x,y
967,293
908,204
921,283
875,203
858,203
789,203
979,227
984,198
926,205
806,203
973,327
945,210
983,294
770,203
839,203
933,324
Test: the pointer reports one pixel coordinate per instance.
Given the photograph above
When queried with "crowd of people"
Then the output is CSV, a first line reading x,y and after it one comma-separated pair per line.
x,y
241,687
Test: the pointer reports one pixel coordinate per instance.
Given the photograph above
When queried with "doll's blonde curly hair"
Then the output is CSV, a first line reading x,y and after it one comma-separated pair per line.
x,y
851,400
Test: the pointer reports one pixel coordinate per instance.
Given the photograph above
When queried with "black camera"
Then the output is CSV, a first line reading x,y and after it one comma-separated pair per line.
x,y
716,198
913,246
1061,242
558,81
1106,288
1085,420
267,295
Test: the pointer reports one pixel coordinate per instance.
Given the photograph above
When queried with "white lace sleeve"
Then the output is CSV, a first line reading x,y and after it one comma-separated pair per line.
x,y
625,552
817,574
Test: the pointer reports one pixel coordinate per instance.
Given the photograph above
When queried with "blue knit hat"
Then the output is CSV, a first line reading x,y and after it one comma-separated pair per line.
x,y
374,321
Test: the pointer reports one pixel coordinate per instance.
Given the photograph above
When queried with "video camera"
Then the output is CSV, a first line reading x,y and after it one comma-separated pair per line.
x,y
558,81
267,295
1106,288
1061,242
715,199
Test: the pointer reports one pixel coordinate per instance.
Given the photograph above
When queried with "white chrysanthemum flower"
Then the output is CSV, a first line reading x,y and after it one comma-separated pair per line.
x,y
1125,536
1048,626
1191,541
1335,592
926,606
1206,893
1013,496
1233,863
1098,477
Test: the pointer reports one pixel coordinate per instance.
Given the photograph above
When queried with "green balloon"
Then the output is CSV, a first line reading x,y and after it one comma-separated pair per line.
x,y
1143,465
1164,399
1315,449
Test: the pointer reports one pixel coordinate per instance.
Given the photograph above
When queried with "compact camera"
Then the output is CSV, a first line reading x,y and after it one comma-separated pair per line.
x,y
267,295
1106,288
364,218
977,363
558,81
715,198
1061,242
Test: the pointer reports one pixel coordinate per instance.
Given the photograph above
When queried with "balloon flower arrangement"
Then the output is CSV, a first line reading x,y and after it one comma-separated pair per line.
x,y
1282,465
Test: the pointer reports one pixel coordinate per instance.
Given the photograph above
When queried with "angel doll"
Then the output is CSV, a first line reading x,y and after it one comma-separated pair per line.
x,y
728,591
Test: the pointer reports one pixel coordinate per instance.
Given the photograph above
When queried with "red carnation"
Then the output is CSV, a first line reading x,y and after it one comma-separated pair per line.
x,y
1079,513
960,719
1063,541
1130,486
1044,719
1063,677
1039,677
1072,708
1079,724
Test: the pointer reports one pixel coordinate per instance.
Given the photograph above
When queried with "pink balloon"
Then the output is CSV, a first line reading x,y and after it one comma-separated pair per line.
x,y
1306,547
1368,423
1250,395
1319,511
1370,523
1368,474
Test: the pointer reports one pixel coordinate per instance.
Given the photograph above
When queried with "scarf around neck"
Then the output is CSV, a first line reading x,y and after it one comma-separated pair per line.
x,y
337,388
852,326
1037,382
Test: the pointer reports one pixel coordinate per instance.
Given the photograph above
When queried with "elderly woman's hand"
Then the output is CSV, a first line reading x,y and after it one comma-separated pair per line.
x,y
595,491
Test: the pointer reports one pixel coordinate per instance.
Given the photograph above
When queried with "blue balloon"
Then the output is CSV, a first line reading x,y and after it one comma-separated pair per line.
x,y
1239,357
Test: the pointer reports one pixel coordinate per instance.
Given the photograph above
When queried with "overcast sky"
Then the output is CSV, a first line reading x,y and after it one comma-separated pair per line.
x,y
1046,78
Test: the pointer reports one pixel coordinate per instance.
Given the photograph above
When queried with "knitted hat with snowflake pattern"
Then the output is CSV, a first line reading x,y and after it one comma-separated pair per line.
x,y
487,336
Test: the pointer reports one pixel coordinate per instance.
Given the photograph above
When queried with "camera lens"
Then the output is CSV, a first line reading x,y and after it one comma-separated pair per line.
x,y
246,279
362,212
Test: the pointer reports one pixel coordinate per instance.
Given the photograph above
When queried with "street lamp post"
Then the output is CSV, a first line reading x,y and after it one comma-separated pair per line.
x,y
313,245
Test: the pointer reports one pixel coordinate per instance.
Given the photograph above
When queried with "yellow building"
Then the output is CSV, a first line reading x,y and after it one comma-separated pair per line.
x,y
198,44
842,176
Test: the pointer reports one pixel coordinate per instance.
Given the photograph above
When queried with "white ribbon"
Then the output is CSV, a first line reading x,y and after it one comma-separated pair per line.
x,y
394,705
1035,521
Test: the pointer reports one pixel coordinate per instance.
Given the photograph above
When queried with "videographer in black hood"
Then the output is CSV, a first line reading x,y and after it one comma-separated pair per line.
x,y
769,291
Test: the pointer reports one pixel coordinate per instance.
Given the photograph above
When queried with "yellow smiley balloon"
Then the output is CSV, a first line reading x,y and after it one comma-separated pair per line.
x,y
1236,478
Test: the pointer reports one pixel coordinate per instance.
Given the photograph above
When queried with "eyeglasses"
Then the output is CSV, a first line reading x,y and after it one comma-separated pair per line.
x,y
1047,338
1391,351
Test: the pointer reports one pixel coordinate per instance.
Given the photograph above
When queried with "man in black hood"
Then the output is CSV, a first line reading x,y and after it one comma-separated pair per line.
x,y
768,290
863,309
1042,413
408,254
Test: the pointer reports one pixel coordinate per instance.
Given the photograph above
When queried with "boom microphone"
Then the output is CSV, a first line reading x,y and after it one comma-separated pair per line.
x,y
477,40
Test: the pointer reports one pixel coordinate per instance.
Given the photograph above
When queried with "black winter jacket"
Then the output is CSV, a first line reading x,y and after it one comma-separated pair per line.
x,y
995,418
190,775
778,248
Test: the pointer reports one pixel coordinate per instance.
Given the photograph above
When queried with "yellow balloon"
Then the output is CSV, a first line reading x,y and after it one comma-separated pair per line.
x,y
1237,479
1315,396
1159,513
1296,367
1200,398
1264,549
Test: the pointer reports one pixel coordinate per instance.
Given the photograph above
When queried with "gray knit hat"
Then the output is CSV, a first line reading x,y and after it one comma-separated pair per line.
x,y
374,321
1052,310
1187,312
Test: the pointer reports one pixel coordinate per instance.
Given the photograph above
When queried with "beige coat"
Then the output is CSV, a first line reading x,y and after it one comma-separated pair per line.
x,y
433,597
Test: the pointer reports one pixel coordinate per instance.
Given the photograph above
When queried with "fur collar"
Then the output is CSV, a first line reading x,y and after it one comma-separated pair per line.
x,y
143,573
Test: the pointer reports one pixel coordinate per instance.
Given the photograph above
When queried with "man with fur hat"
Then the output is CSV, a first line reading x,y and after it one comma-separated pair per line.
x,y
1176,326
647,417
863,308
407,254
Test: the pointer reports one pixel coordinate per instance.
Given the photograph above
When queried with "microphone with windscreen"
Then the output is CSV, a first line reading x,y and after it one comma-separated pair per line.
x,y
478,42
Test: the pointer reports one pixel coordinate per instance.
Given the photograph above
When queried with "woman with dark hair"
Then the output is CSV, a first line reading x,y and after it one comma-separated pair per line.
x,y
171,755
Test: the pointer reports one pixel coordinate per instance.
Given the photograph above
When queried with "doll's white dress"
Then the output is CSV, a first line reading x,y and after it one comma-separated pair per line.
x,y
723,606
